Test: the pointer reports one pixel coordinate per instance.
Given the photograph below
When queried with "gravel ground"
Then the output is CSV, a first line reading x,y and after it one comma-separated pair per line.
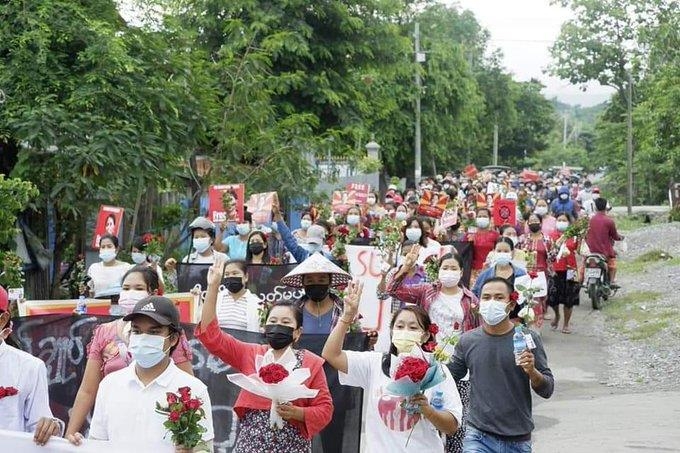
x,y
654,363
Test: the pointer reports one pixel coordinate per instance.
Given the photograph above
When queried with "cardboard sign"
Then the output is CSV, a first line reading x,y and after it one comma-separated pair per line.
x,y
342,201
505,212
108,222
216,203
433,204
260,206
360,191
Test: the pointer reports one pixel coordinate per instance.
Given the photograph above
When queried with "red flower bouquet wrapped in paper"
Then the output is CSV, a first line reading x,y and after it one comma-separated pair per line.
x,y
184,415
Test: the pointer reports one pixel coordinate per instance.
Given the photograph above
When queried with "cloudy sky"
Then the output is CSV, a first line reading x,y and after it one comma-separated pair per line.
x,y
524,30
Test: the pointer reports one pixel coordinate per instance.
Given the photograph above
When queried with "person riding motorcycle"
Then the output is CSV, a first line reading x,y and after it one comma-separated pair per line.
x,y
601,236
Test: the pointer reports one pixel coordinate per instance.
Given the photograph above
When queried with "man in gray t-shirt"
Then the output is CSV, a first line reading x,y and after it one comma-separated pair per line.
x,y
500,390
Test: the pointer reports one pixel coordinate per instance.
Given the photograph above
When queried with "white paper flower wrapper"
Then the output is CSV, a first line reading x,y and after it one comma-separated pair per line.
x,y
290,389
540,283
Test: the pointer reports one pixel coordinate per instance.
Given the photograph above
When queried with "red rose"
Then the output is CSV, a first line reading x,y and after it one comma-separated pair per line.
x,y
11,391
430,346
185,394
194,404
174,416
413,368
148,237
434,329
172,398
456,325
533,275
3,392
273,373
514,296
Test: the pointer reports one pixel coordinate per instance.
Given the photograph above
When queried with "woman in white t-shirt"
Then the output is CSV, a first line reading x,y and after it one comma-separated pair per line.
x,y
107,274
388,427
237,307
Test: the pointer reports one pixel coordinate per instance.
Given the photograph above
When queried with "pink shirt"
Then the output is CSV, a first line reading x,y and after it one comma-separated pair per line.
x,y
110,349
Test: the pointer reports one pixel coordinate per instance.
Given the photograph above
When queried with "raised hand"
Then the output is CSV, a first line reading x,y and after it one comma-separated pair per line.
x,y
352,299
216,272
411,257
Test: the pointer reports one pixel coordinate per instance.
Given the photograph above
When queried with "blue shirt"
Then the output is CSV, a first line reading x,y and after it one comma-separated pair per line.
x,y
317,325
237,248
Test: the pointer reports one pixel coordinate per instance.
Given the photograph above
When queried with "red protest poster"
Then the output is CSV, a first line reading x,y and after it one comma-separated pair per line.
x,y
342,201
471,171
260,206
505,212
359,192
108,222
433,204
225,202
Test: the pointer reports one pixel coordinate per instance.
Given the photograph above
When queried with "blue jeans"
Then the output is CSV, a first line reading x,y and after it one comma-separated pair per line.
x,y
478,442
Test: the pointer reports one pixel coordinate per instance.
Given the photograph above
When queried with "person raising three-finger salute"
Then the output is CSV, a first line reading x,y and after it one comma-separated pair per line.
x,y
303,418
387,427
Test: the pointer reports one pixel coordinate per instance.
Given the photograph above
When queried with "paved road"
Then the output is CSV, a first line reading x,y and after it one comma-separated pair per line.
x,y
584,415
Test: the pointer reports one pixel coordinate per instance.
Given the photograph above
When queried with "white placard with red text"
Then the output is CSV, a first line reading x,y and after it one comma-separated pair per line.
x,y
23,442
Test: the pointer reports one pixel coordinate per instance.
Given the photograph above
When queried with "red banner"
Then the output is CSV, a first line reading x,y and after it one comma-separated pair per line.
x,y
108,222
505,212
223,197
360,191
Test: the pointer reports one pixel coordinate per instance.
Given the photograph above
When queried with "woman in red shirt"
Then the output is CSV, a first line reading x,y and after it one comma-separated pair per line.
x,y
564,287
304,417
484,240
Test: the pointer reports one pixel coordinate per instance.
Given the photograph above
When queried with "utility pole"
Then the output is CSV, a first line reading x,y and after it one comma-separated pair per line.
x,y
495,144
629,143
418,58
564,133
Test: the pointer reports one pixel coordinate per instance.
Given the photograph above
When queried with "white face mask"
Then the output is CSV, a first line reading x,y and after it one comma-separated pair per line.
x,y
201,244
406,340
370,201
138,258
305,224
107,255
413,234
243,229
147,350
482,222
353,219
541,210
492,311
562,226
401,215
449,279
502,258
564,196
129,298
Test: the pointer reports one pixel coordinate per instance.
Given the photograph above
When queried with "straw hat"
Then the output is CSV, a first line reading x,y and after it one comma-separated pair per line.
x,y
316,264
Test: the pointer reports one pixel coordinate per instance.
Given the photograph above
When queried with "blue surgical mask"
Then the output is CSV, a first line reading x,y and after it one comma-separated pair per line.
x,y
483,222
305,224
243,229
492,311
138,258
147,350
401,215
413,234
502,258
107,255
353,219
201,244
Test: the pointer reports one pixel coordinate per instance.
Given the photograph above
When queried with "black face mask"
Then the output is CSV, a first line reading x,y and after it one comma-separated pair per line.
x,y
535,227
234,284
278,336
317,292
256,248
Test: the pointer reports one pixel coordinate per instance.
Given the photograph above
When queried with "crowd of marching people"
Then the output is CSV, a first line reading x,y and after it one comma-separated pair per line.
x,y
474,392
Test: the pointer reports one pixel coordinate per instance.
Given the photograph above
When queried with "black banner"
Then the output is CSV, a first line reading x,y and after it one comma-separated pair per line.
x,y
61,342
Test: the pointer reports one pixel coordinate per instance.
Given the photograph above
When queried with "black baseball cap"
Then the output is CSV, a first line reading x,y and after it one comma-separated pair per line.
x,y
159,308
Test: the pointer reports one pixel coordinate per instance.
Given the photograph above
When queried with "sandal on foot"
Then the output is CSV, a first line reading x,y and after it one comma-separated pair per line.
x,y
566,330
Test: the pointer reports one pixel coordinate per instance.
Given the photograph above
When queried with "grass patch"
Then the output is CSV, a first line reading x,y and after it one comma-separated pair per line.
x,y
643,261
629,223
627,315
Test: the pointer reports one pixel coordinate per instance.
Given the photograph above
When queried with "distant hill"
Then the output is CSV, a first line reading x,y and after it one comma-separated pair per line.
x,y
586,116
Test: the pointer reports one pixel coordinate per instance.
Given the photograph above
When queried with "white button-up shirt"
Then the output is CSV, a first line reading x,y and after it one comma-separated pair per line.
x,y
125,408
27,374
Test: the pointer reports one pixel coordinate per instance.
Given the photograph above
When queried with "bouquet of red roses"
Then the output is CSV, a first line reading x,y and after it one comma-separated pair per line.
x,y
184,415
414,373
277,381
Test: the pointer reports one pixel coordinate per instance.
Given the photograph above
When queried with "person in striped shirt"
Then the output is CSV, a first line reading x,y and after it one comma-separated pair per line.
x,y
237,307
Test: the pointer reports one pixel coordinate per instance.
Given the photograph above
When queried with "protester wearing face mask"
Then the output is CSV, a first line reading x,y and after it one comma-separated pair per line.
x,y
563,204
306,221
519,258
202,233
495,378
449,304
415,231
258,249
305,417
386,429
236,246
502,266
563,285
26,407
124,410
109,351
536,245
106,275
141,257
414,276
237,307
483,239
354,225
548,223
401,213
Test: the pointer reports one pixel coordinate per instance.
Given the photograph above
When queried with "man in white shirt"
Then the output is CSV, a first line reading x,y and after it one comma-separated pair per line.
x,y
126,400
24,400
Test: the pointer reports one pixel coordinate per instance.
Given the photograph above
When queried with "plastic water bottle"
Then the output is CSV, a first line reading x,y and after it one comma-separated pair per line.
x,y
81,307
519,343
437,401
